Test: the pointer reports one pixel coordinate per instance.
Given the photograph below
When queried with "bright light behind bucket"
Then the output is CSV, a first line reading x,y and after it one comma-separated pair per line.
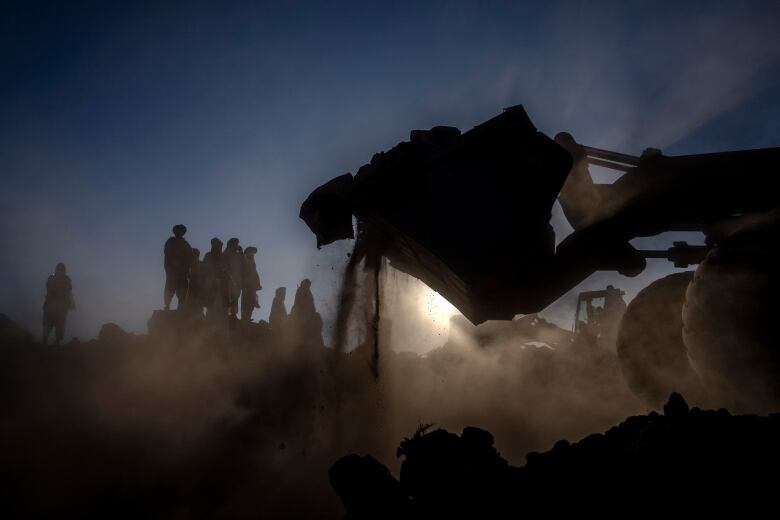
x,y
436,307
415,317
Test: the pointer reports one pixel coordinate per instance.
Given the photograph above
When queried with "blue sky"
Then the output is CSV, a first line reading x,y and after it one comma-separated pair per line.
x,y
119,120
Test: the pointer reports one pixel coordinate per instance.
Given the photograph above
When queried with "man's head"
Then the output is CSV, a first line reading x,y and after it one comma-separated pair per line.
x,y
281,292
232,243
60,269
179,230
250,251
306,283
196,253
216,244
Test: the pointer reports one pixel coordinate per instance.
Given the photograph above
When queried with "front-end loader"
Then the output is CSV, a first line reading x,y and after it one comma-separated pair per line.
x,y
469,214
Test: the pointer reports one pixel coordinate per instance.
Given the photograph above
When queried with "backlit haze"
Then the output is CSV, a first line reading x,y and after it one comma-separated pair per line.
x,y
117,122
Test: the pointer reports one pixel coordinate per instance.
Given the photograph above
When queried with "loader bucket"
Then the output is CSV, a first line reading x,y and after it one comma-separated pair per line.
x,y
468,214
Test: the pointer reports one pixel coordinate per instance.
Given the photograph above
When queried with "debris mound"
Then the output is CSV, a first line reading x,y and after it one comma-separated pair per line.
x,y
686,458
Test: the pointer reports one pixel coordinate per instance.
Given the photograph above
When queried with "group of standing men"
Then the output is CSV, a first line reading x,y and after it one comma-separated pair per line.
x,y
217,282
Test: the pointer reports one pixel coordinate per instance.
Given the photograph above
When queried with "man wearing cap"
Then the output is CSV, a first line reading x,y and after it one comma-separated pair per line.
x,y
178,261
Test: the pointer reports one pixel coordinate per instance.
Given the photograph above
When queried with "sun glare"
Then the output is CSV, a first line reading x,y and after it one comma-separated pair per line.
x,y
436,307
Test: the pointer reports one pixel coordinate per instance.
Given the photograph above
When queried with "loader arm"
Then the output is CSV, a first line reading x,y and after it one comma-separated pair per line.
x,y
469,214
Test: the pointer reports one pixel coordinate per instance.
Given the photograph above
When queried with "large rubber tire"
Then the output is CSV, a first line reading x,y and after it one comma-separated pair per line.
x,y
732,319
650,347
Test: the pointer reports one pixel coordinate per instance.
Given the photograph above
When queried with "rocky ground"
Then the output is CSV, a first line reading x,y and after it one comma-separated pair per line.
x,y
684,460
193,420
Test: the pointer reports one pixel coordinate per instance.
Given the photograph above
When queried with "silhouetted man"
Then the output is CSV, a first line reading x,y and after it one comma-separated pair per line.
x,y
195,292
216,278
303,304
613,301
234,261
59,300
305,320
178,260
278,315
614,308
251,284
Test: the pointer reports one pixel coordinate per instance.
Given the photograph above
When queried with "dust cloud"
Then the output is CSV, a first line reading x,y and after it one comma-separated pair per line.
x,y
190,420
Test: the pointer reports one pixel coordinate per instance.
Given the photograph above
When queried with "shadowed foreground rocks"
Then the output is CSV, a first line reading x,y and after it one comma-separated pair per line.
x,y
234,420
216,418
192,420
683,460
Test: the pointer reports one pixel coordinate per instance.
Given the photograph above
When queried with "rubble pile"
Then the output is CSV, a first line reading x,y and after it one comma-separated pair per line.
x,y
193,419
683,459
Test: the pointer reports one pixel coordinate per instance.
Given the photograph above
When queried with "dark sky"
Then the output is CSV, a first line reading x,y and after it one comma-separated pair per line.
x,y
118,120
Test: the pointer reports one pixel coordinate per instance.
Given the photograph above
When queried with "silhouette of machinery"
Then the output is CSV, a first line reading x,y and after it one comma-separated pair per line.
x,y
469,215
596,313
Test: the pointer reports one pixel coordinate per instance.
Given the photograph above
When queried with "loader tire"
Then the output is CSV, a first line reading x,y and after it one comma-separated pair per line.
x,y
732,320
650,347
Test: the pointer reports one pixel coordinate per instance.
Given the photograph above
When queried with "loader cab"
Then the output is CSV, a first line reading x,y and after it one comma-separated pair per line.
x,y
590,306
598,313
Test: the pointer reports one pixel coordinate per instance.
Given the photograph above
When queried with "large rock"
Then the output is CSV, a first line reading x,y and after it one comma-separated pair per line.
x,y
113,333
